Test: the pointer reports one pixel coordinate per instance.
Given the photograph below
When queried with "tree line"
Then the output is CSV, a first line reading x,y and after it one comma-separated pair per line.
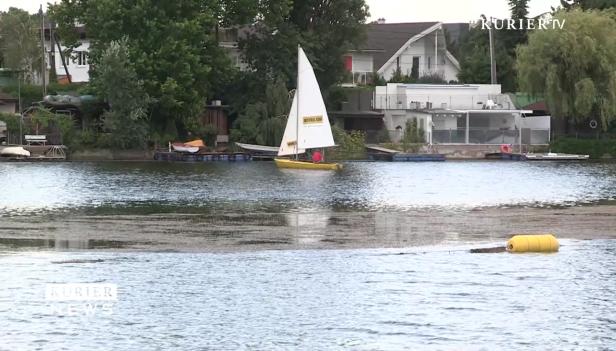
x,y
167,57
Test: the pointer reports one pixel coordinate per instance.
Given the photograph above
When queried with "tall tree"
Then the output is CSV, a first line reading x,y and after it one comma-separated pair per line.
x,y
20,42
325,29
574,67
121,88
475,51
264,122
515,37
475,59
171,44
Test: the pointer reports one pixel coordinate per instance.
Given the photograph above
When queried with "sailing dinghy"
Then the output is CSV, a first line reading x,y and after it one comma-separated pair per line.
x,y
308,125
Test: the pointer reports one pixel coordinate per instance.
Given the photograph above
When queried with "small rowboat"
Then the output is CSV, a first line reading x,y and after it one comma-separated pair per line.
x,y
14,151
185,148
190,147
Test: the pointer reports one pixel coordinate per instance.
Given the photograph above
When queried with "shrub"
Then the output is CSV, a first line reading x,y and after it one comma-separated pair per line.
x,y
351,145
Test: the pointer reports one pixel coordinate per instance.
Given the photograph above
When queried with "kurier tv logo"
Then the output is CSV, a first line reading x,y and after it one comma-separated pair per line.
x,y
544,23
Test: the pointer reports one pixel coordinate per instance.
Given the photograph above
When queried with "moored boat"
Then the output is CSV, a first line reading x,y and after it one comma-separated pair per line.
x,y
188,147
184,148
552,156
308,124
14,151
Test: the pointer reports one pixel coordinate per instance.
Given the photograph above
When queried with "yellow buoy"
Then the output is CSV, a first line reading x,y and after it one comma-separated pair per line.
x,y
533,243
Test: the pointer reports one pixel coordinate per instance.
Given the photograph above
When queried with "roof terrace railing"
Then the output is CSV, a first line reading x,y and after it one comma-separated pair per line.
x,y
447,102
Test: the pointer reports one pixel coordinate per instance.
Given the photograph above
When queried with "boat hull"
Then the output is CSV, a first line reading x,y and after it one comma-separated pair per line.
x,y
15,151
556,157
182,148
286,163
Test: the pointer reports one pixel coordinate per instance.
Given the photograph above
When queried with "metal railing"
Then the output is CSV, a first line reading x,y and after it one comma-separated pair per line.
x,y
491,136
465,102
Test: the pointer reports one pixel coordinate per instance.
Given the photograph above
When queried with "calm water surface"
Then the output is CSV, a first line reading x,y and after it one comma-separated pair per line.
x,y
123,187
438,297
429,298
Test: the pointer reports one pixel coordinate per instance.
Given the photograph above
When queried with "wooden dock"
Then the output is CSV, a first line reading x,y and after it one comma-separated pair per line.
x,y
378,153
201,157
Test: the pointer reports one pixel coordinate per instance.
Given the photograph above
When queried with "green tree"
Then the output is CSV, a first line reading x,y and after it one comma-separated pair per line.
x,y
475,51
325,29
574,68
264,122
475,60
514,37
588,4
119,85
20,38
171,45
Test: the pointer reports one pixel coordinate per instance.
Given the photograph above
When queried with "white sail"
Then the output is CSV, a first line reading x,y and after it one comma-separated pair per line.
x,y
314,128
289,139
313,123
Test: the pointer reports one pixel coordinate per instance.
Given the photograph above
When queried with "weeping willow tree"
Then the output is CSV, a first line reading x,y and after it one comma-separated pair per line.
x,y
263,123
573,67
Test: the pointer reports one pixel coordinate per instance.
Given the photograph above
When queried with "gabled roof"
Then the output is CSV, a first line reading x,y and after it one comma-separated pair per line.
x,y
386,39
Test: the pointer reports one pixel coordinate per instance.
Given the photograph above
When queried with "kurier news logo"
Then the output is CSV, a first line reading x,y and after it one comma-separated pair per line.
x,y
542,23
81,299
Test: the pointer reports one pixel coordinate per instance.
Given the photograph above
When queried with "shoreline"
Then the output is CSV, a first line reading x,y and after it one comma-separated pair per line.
x,y
236,232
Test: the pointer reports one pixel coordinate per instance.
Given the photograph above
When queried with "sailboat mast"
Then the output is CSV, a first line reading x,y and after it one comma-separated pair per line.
x,y
298,116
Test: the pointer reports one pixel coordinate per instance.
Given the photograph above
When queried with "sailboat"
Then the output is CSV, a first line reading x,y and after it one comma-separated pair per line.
x,y
308,125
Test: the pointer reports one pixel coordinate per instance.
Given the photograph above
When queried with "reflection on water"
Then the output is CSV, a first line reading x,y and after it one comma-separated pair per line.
x,y
428,298
62,244
118,188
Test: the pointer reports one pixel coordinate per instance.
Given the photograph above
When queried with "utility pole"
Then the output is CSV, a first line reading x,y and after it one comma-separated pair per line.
x,y
43,64
492,58
21,116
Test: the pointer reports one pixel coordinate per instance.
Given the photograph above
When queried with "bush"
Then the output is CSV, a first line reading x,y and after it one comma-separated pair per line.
x,y
351,146
596,148
414,137
383,136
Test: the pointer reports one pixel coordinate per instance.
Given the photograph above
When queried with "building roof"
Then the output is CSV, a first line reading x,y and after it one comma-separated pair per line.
x,y
387,38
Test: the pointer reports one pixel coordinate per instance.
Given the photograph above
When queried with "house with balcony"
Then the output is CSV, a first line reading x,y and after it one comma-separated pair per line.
x,y
414,49
468,114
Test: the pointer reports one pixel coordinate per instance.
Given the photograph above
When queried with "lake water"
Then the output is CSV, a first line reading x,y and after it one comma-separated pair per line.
x,y
30,188
429,297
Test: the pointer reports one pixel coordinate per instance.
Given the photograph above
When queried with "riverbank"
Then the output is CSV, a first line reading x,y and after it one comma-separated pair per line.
x,y
231,232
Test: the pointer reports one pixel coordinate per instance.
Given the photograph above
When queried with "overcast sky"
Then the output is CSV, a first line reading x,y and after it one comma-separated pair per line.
x,y
399,10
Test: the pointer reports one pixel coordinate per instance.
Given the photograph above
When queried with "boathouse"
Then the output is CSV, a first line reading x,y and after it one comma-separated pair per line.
x,y
470,114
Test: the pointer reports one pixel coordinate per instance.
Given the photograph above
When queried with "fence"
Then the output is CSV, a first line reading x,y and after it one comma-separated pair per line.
x,y
491,136
475,136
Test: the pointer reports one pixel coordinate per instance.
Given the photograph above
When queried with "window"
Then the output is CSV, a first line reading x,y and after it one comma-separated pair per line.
x,y
81,58
429,62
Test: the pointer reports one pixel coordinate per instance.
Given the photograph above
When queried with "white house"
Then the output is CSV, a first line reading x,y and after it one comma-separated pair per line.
x,y
460,114
77,64
416,49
